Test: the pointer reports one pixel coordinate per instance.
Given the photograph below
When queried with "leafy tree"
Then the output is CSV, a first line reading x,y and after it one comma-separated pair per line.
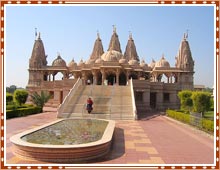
x,y
9,98
201,101
20,96
40,100
11,89
185,99
212,103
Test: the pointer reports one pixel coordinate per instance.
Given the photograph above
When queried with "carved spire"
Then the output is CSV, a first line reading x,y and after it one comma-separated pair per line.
x,y
38,57
184,58
130,51
114,42
97,49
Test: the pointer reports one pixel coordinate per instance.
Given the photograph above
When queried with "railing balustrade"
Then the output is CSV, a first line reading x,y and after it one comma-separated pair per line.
x,y
68,97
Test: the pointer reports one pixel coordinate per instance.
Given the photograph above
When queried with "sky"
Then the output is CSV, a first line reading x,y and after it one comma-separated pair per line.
x,y
72,31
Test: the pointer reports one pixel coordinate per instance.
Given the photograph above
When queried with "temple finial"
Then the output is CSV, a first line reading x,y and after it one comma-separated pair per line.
x,y
130,35
114,28
39,36
98,35
185,36
35,33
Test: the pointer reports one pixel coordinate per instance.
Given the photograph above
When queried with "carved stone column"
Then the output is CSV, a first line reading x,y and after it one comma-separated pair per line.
x,y
94,77
117,76
103,76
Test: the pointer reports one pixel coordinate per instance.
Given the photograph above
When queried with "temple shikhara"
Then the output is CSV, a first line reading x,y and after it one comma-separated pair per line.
x,y
121,85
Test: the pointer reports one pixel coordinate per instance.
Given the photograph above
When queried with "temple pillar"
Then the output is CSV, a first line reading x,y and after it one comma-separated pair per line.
x,y
117,77
103,76
94,77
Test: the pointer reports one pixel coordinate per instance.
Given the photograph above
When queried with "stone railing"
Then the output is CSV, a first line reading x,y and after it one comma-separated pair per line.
x,y
59,83
133,100
67,98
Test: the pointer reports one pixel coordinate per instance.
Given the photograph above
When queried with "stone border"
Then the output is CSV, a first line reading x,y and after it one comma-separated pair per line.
x,y
63,153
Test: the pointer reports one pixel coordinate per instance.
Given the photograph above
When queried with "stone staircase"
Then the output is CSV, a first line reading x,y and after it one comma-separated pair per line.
x,y
110,102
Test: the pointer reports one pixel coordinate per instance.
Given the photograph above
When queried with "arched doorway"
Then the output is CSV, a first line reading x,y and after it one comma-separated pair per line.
x,y
122,79
99,78
111,78
90,78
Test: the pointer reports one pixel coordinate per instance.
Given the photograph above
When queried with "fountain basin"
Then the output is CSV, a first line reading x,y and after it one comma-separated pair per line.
x,y
61,146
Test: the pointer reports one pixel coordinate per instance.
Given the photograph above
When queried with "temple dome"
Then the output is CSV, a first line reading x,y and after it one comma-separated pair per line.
x,y
98,61
123,61
90,61
162,63
112,55
143,64
81,63
133,62
72,64
59,62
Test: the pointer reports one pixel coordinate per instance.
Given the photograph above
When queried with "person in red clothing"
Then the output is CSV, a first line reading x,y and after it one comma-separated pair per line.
x,y
89,105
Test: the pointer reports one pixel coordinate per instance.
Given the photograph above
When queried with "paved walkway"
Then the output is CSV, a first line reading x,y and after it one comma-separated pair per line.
x,y
159,140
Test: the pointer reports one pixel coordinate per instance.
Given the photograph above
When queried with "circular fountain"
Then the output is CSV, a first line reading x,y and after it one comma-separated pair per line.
x,y
65,140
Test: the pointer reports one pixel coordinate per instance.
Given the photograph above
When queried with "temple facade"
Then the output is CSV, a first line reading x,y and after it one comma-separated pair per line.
x,y
155,85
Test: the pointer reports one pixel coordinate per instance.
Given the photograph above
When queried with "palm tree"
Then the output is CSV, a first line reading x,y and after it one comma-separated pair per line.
x,y
40,100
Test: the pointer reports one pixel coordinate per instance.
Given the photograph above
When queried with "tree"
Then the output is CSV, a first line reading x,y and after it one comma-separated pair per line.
x,y
11,89
20,96
40,100
185,99
201,101
9,98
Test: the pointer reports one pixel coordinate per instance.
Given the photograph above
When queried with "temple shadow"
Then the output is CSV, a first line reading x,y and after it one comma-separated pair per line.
x,y
150,115
117,147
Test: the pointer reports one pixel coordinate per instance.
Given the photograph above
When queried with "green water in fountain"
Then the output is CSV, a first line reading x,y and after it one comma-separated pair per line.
x,y
69,132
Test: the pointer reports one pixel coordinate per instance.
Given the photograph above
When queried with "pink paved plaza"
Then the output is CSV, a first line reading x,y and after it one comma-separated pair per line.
x,y
159,140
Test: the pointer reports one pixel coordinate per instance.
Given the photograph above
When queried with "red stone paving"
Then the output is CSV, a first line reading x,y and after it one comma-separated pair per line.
x,y
159,140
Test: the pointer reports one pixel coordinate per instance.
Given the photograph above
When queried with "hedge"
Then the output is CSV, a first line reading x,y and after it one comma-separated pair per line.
x,y
22,112
179,116
14,106
203,124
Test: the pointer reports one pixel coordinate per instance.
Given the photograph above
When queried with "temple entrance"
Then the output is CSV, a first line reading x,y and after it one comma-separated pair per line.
x,y
122,79
111,79
99,78
153,100
89,79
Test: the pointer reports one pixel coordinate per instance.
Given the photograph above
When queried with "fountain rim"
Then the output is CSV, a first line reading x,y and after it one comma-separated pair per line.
x,y
106,137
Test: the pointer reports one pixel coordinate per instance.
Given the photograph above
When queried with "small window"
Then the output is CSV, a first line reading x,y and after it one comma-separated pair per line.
x,y
166,97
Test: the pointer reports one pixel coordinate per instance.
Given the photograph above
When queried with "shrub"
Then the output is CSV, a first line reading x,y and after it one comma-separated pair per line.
x,y
204,124
22,112
9,98
185,99
201,101
20,96
179,116
40,100
207,125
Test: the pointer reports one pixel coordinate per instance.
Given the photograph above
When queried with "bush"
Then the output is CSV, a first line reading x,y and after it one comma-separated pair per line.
x,y
201,101
40,99
185,99
20,96
179,116
207,125
9,98
22,112
204,124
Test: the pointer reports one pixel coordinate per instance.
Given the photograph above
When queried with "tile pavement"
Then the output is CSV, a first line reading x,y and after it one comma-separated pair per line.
x,y
159,140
